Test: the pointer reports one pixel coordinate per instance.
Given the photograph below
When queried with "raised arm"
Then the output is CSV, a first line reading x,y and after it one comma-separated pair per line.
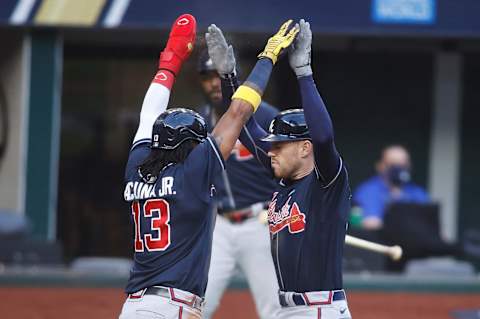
x,y
179,46
327,159
247,97
154,103
223,59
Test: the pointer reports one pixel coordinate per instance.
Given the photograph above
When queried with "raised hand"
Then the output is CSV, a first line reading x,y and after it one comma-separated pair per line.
x,y
219,51
180,44
299,54
278,42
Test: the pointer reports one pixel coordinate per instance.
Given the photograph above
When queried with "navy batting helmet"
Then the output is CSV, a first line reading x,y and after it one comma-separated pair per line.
x,y
175,126
289,125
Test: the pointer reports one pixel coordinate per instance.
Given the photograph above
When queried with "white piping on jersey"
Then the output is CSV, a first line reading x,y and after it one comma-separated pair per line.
x,y
278,266
317,171
143,140
336,176
220,159
228,189
256,148
226,180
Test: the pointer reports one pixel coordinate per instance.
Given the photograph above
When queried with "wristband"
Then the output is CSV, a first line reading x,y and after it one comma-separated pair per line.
x,y
249,95
164,77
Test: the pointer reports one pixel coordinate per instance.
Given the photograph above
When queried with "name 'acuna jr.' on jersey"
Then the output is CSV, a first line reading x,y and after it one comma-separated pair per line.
x,y
173,219
141,190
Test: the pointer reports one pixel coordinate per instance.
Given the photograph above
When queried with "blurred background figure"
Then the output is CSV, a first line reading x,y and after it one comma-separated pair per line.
x,y
391,208
241,238
210,83
391,184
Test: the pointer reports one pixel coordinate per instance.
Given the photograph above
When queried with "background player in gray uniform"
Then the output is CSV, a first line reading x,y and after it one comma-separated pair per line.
x,y
169,182
240,238
308,213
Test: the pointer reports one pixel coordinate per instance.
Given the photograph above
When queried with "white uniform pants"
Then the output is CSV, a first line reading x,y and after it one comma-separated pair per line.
x,y
335,310
246,245
157,307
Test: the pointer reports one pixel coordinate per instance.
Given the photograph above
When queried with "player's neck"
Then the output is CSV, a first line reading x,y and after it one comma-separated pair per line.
x,y
302,171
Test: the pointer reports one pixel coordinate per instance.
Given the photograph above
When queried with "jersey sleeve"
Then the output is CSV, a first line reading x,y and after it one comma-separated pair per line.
x,y
138,154
328,163
265,114
257,125
250,137
202,167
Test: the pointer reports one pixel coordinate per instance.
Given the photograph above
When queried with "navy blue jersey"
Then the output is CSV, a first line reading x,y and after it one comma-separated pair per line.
x,y
173,219
245,182
307,221
307,217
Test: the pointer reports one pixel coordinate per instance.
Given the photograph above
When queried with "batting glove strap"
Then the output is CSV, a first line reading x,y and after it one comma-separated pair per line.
x,y
301,71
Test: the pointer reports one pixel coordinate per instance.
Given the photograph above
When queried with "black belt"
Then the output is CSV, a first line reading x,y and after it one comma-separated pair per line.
x,y
195,302
301,299
238,216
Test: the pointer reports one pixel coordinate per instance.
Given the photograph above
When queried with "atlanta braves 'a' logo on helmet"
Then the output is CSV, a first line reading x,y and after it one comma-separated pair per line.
x,y
288,216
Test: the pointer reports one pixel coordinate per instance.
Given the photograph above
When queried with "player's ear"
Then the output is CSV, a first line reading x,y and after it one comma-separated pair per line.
x,y
306,148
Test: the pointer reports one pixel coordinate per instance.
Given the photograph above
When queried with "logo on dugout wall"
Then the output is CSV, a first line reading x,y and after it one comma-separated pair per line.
x,y
288,216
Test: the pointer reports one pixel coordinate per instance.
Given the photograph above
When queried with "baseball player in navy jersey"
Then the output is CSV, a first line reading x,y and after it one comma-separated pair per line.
x,y
170,184
241,238
308,212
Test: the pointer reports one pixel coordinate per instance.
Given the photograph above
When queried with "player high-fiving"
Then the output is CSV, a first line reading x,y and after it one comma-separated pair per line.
x,y
308,213
169,182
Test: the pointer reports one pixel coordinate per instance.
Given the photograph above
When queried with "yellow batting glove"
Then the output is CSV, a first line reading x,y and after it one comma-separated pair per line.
x,y
277,43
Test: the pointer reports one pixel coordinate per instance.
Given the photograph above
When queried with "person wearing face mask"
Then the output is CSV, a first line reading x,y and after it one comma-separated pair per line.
x,y
391,184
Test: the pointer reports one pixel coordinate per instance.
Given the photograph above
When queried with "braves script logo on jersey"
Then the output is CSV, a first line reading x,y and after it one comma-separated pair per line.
x,y
288,216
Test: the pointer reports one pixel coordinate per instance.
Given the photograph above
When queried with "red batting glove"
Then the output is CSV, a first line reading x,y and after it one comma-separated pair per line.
x,y
180,44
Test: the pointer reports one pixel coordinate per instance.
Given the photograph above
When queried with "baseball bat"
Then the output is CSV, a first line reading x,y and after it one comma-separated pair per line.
x,y
394,252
